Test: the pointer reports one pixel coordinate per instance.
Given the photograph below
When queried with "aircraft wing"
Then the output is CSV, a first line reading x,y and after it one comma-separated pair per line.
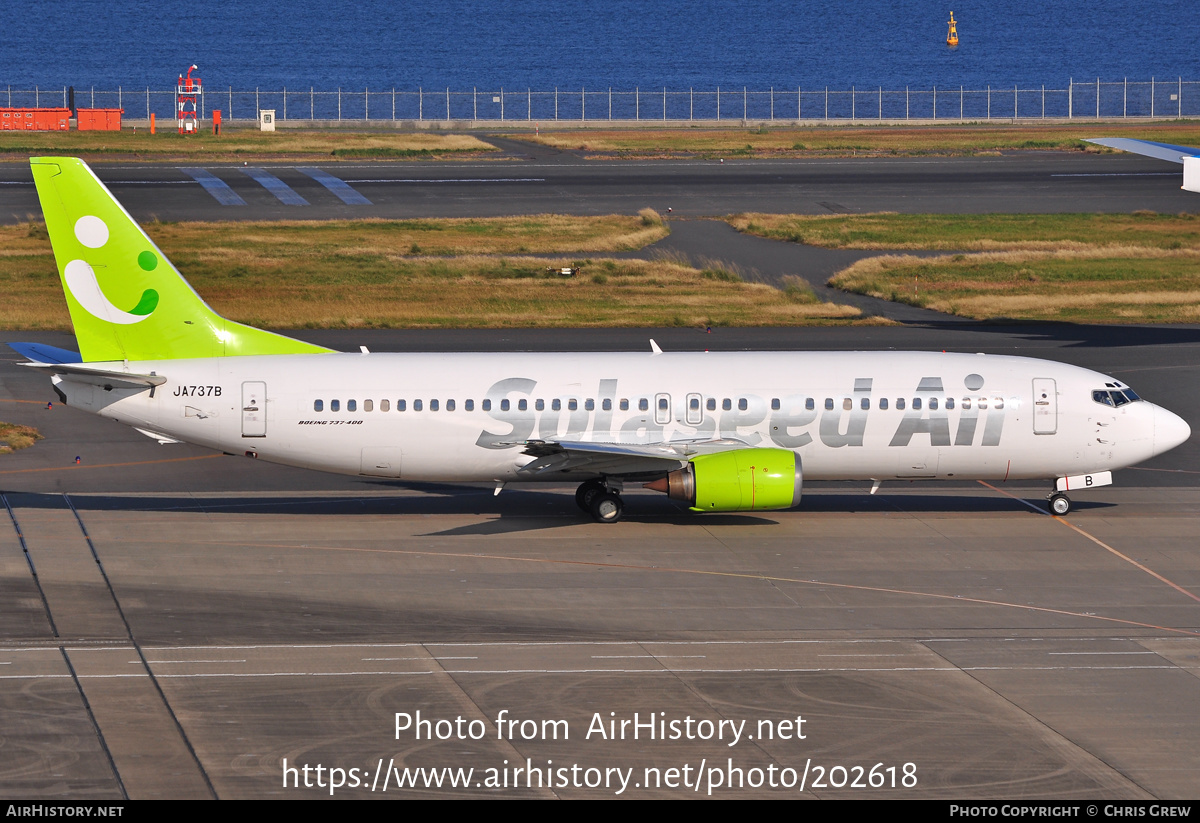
x,y
618,458
1189,157
1148,148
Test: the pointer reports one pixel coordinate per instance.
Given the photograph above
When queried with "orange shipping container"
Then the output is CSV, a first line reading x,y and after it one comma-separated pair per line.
x,y
35,119
99,119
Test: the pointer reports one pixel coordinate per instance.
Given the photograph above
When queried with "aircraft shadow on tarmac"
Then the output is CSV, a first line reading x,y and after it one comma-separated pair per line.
x,y
521,510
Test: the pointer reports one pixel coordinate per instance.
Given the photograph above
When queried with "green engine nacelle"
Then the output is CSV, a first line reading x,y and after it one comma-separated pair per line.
x,y
734,481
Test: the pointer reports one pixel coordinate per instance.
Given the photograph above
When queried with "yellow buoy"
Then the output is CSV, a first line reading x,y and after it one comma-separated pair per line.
x,y
952,37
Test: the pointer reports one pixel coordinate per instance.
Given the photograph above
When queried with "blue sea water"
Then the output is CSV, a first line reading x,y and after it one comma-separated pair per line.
x,y
576,43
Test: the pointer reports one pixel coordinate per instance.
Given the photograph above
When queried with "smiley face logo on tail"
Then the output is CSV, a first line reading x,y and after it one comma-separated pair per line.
x,y
80,278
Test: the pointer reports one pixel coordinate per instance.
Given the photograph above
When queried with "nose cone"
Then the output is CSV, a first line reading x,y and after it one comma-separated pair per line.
x,y
1170,430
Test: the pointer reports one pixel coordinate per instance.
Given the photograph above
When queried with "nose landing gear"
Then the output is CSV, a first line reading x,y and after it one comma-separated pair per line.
x,y
1059,504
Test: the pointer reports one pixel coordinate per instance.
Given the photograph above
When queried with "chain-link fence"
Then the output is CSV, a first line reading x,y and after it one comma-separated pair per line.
x,y
1081,100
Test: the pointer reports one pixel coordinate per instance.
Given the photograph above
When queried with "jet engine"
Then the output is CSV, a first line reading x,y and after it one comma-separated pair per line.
x,y
733,481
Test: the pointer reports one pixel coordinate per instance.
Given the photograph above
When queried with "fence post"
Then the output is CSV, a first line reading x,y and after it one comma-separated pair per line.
x,y
502,104
691,103
1179,98
1125,100
664,102
393,103
935,102
960,104
1097,98
420,103
447,104
637,103
64,105
257,107
339,104
93,97
147,102
1152,97
582,104
799,101
37,102
827,104
120,105
743,105
312,111
1014,101
556,102
528,103
772,104
853,97
366,105
1043,101
610,102
1071,99
474,102
906,102
285,103
989,93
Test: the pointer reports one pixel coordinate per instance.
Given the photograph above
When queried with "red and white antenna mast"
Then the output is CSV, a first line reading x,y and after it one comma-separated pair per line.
x,y
188,96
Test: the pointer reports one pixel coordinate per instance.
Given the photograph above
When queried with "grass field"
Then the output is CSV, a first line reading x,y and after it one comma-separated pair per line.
x,y
380,274
1102,284
841,141
242,144
977,232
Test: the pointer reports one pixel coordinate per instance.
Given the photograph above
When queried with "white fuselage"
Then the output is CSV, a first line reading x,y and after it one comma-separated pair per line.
x,y
464,417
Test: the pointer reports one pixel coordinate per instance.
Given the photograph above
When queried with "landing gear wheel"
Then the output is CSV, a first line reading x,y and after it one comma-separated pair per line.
x,y
587,493
1060,504
607,507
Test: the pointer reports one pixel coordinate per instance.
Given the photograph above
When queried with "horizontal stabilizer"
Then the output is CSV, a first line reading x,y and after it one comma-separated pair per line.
x,y
100,377
41,353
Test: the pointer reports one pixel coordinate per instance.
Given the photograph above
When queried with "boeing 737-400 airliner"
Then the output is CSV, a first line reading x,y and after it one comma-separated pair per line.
x,y
718,431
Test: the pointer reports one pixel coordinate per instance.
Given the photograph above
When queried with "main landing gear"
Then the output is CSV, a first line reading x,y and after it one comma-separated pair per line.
x,y
1059,504
601,500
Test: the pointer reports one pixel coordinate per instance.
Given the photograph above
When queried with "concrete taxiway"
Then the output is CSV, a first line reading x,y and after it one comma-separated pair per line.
x,y
184,624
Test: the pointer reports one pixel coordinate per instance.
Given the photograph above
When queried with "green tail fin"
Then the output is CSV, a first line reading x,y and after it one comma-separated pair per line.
x,y
127,301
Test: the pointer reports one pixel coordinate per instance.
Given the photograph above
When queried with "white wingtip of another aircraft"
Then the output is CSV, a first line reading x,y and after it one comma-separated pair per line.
x,y
1188,156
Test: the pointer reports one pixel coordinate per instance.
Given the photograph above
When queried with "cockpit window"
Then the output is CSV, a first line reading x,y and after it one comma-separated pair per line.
x,y
1114,397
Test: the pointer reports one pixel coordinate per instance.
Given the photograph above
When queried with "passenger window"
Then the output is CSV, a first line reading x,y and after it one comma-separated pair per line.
x,y
694,404
982,403
726,404
809,404
385,405
741,404
643,404
883,403
997,402
572,404
318,405
504,404
866,404
828,404
469,405
933,404
624,404
522,405
351,405
368,405
449,405
966,404
540,405
486,405
417,405
401,405
663,404
556,405
433,405
606,404
589,404
949,404
899,404
847,404
335,405
711,404
916,403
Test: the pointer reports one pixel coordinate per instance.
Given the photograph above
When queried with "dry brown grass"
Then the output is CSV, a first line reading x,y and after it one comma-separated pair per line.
x,y
13,437
367,276
1101,285
853,140
242,144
